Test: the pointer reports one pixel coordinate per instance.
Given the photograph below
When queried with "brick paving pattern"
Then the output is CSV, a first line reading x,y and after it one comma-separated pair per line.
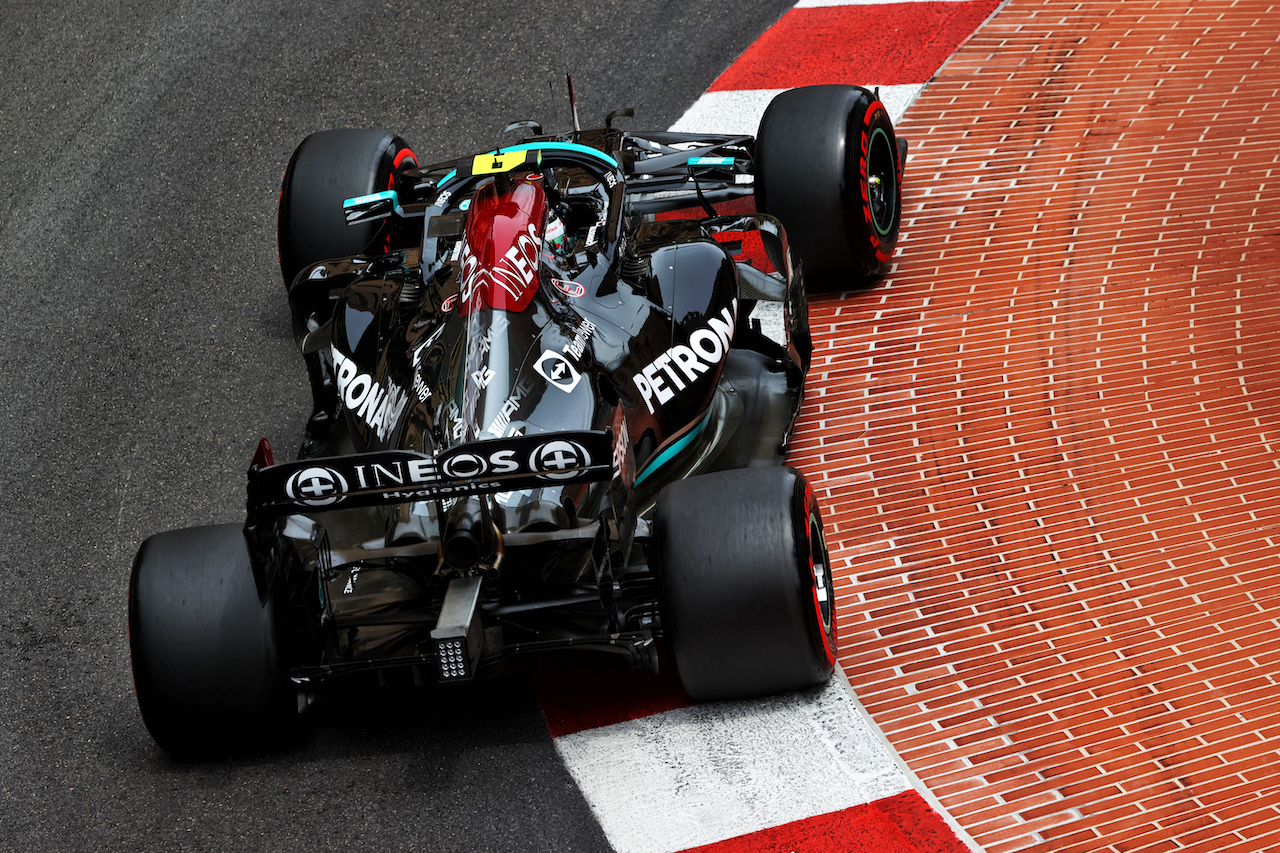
x,y
1048,443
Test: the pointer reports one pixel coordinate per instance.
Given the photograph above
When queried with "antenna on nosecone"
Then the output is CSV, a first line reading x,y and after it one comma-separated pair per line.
x,y
573,105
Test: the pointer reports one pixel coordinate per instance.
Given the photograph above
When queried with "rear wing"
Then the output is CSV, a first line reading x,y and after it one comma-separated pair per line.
x,y
399,476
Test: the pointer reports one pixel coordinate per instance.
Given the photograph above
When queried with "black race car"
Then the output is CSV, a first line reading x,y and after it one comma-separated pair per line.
x,y
554,385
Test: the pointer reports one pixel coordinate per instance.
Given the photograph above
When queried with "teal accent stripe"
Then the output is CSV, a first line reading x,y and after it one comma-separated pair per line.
x,y
544,146
366,199
674,450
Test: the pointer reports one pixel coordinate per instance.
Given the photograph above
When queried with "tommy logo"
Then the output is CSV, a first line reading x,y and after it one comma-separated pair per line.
x,y
316,486
557,370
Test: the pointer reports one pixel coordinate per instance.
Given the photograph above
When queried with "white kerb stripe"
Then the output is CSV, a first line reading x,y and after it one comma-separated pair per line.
x,y
702,774
739,112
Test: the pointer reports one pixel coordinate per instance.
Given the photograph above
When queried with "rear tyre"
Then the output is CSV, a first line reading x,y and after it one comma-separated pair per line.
x,y
748,607
206,665
829,166
329,167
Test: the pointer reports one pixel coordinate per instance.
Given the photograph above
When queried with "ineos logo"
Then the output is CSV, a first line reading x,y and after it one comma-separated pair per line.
x,y
467,465
316,486
559,460
464,466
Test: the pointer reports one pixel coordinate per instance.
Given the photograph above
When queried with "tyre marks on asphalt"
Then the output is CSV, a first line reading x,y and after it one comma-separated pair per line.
x,y
803,772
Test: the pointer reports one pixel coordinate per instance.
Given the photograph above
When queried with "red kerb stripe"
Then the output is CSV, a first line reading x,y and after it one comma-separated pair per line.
x,y
904,823
883,45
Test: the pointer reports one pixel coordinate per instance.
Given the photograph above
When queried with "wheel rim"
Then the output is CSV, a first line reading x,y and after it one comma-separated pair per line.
x,y
882,185
823,586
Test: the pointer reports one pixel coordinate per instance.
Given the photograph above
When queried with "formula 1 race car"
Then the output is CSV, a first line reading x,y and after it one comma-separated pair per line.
x,y
554,386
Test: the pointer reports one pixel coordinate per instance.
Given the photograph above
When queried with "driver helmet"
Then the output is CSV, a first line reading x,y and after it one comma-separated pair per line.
x,y
556,236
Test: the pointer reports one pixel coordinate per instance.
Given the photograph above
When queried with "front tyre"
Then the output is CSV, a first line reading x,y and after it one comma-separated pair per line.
x,y
748,607
206,665
829,166
329,167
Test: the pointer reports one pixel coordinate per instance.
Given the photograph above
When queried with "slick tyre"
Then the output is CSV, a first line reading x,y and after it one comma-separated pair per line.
x,y
329,167
829,166
747,602
206,666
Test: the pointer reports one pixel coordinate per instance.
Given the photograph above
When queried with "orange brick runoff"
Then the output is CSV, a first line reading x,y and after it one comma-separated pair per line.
x,y
1048,442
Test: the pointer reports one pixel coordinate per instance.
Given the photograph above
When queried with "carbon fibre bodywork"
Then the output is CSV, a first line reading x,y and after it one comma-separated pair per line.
x,y
497,408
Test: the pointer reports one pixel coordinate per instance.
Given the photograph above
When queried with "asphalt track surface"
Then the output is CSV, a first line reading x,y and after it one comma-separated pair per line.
x,y
145,346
